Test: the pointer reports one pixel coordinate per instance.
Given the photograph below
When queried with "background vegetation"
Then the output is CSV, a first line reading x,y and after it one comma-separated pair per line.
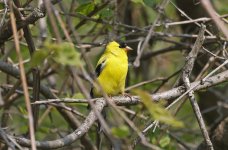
x,y
48,53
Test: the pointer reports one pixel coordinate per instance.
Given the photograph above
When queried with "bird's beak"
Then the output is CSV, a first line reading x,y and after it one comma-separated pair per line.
x,y
128,48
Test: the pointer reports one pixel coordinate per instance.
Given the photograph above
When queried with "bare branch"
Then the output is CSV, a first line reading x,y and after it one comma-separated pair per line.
x,y
23,78
210,10
185,77
119,100
161,8
6,30
67,140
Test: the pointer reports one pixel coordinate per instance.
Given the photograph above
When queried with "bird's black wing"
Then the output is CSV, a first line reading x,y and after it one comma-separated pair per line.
x,y
91,93
98,71
99,68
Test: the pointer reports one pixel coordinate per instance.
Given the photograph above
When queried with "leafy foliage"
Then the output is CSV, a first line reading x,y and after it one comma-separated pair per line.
x,y
157,111
93,22
85,8
63,53
164,141
121,131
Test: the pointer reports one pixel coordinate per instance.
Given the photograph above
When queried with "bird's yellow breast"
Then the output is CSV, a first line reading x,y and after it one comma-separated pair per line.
x,y
113,76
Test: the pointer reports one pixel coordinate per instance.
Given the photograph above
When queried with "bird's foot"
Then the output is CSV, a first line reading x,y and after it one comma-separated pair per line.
x,y
110,96
127,95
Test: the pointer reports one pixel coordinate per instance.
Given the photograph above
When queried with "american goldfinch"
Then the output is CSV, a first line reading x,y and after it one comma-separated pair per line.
x,y
111,70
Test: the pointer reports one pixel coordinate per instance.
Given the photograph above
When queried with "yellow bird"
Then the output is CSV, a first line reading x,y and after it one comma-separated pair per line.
x,y
111,70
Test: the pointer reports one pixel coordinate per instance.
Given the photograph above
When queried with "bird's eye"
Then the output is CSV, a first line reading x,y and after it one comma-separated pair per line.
x,y
122,45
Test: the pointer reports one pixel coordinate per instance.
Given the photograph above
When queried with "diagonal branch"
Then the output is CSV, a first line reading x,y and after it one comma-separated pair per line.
x,y
6,31
119,100
68,116
70,138
35,70
23,77
185,77
210,10
150,33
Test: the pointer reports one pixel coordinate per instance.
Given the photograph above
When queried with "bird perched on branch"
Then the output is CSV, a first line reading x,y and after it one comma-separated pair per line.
x,y
111,70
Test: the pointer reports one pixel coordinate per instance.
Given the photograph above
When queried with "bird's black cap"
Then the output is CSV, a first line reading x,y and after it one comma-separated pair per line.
x,y
122,44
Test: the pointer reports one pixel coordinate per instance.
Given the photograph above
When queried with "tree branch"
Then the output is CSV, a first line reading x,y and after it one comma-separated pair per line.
x,y
119,100
185,77
6,31
70,138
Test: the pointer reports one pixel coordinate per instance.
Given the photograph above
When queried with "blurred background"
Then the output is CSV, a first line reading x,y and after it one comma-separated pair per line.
x,y
73,34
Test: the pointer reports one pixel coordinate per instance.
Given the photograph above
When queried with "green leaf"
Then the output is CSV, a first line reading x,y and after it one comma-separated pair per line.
x,y
86,8
138,1
106,13
38,57
78,95
150,3
165,141
23,110
157,111
2,6
63,53
121,131
80,2
66,54
97,1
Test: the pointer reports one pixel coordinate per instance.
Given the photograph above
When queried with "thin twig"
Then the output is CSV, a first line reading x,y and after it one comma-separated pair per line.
x,y
151,32
4,15
216,56
144,82
61,100
185,15
210,10
203,19
49,8
23,79
35,70
69,109
39,12
5,138
133,113
179,141
219,78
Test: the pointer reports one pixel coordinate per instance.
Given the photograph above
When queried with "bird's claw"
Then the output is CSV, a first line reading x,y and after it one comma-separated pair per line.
x,y
127,95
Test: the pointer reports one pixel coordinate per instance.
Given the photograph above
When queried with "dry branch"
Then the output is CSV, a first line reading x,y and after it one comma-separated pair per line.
x,y
185,77
67,140
210,10
119,100
23,78
6,31
98,104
